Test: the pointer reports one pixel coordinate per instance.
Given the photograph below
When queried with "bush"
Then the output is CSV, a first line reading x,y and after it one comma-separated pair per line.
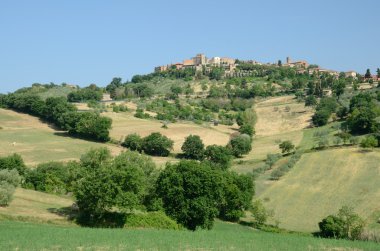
x,y
369,142
158,220
9,180
321,117
133,142
247,129
260,213
283,169
286,146
157,144
193,147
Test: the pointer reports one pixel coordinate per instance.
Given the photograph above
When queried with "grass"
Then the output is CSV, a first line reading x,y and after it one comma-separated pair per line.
x,y
36,142
28,236
37,207
321,183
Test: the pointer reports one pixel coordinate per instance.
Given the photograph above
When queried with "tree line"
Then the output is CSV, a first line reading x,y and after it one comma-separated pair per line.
x,y
58,111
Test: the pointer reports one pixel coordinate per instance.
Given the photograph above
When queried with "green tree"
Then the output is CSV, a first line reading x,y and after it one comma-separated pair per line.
x,y
218,156
240,145
9,180
13,161
260,213
321,117
190,192
286,146
157,144
247,129
133,142
193,147
368,74
378,72
310,101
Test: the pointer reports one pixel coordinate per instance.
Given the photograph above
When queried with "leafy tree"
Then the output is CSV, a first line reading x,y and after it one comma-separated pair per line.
x,y
346,224
157,144
120,184
286,146
190,192
133,142
9,180
237,196
13,161
240,145
176,90
310,101
218,156
321,117
95,158
378,72
247,129
193,147
91,125
362,120
260,213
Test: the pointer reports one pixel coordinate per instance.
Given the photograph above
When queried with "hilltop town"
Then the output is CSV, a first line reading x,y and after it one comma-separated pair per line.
x,y
202,63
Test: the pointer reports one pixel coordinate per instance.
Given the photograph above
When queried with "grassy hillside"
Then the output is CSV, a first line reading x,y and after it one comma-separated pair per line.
x,y
321,182
34,206
222,237
36,142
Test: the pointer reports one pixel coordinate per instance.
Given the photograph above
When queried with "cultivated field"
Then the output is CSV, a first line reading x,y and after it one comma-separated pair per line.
x,y
321,183
36,142
224,236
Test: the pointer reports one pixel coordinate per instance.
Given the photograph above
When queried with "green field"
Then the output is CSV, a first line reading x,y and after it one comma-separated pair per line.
x,y
28,236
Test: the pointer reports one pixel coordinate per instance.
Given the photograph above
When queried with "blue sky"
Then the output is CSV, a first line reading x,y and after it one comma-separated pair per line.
x,y
82,42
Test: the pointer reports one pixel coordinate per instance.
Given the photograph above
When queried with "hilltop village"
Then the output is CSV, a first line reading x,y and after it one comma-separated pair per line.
x,y
202,63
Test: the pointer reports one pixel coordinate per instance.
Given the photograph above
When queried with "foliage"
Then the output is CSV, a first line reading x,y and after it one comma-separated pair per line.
x,y
133,142
190,192
247,129
369,142
260,213
240,145
13,162
157,220
283,169
9,180
91,92
346,224
286,146
218,156
193,147
157,144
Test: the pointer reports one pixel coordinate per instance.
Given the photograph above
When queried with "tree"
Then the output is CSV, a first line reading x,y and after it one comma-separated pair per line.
x,y
321,117
346,224
157,144
310,101
240,145
286,146
91,125
133,142
218,156
190,192
9,180
260,213
247,129
176,90
368,74
193,147
378,72
120,184
13,161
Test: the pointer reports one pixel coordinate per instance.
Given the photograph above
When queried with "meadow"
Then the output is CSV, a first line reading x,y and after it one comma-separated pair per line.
x,y
224,236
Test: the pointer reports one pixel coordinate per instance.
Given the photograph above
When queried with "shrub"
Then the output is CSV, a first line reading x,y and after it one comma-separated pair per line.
x,y
133,142
260,213
247,129
193,147
321,117
286,146
369,142
158,220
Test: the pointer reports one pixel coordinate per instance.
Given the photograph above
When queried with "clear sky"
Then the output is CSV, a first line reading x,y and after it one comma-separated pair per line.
x,y
92,41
